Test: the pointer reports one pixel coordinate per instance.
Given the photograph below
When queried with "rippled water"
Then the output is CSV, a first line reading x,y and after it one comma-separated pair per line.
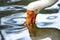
x,y
13,17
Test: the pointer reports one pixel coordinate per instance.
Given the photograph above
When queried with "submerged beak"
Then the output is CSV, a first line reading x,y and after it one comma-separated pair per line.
x,y
31,17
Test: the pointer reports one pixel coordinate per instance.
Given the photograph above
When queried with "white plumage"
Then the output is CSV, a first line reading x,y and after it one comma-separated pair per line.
x,y
34,7
40,4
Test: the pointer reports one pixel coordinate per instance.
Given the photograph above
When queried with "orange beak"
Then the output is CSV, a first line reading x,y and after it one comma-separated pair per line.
x,y
31,17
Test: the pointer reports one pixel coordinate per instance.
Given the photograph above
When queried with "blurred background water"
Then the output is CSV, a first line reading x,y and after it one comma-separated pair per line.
x,y
13,16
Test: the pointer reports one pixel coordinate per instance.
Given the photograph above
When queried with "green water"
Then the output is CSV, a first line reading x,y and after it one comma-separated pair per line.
x,y
42,32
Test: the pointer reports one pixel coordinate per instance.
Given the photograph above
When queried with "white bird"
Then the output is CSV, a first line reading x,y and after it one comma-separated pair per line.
x,y
33,9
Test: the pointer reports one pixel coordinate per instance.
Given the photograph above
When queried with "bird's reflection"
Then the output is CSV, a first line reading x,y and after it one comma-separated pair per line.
x,y
40,33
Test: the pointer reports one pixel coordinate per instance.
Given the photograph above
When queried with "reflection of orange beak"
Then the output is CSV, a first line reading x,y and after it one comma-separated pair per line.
x,y
31,17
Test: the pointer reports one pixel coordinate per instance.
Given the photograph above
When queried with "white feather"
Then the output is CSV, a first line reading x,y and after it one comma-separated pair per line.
x,y
40,4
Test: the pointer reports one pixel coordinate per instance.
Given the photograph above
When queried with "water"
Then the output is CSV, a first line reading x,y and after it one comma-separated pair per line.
x,y
13,17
